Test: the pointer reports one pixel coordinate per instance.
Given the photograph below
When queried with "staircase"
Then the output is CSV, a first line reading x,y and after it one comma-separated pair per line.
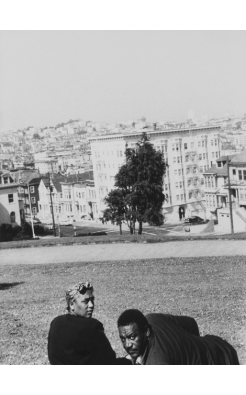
x,y
241,213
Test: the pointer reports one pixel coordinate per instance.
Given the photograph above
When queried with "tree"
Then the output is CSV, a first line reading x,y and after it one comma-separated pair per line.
x,y
91,213
140,182
116,207
36,136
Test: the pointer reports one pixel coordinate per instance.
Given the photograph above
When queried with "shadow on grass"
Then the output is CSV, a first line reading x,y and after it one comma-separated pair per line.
x,y
5,286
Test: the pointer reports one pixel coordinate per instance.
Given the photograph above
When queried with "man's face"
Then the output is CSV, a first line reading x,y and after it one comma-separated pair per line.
x,y
133,340
83,305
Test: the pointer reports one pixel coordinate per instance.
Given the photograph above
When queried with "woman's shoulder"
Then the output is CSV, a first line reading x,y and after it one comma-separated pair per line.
x,y
92,323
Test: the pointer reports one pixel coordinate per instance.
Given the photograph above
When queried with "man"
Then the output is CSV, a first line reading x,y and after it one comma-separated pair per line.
x,y
162,339
76,338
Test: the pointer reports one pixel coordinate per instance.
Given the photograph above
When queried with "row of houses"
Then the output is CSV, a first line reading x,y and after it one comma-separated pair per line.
x,y
23,193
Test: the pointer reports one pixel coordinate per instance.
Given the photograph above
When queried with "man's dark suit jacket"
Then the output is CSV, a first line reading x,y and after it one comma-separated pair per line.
x,y
175,340
75,340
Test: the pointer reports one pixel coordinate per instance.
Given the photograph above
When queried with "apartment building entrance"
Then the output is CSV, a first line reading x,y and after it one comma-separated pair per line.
x,y
181,212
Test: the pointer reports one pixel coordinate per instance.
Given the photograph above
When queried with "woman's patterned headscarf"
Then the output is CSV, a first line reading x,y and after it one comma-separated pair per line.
x,y
73,292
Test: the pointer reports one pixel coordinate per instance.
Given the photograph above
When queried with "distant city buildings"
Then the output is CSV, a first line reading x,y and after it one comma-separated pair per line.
x,y
81,158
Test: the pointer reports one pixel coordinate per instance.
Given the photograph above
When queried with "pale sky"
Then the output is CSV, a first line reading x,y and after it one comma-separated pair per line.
x,y
47,77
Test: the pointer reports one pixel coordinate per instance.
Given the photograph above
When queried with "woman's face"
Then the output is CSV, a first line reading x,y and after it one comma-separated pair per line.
x,y
83,305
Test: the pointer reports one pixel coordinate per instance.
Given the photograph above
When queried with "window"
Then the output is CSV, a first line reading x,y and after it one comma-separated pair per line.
x,y
34,210
200,156
84,208
186,158
187,170
240,177
12,216
212,154
177,197
190,195
217,154
212,142
215,142
32,189
173,147
204,156
177,147
185,145
203,143
174,160
199,143
33,200
179,172
176,184
234,172
181,197
180,184
192,144
244,175
11,198
175,172
178,159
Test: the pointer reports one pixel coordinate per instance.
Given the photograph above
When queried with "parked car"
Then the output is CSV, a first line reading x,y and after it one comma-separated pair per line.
x,y
49,225
194,220
86,218
34,219
65,221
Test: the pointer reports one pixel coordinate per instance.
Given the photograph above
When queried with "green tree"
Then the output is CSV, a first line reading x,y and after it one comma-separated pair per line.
x,y
140,181
115,212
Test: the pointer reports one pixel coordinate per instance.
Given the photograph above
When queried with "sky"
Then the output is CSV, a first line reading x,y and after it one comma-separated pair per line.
x,y
48,77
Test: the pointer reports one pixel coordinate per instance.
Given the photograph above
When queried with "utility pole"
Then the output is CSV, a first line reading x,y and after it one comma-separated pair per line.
x,y
52,209
33,233
229,192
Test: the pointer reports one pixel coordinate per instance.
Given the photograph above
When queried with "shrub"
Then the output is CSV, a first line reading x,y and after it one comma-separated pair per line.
x,y
9,232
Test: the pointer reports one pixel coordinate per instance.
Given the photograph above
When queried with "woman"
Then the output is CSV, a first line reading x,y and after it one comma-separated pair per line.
x,y
76,338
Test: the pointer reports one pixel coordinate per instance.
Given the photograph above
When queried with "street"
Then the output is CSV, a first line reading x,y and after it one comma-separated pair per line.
x,y
122,251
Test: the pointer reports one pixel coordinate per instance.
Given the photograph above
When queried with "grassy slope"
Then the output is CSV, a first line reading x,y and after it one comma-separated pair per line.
x,y
116,238
212,290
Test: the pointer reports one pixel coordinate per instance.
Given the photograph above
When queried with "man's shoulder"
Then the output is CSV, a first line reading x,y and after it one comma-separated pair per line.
x,y
157,317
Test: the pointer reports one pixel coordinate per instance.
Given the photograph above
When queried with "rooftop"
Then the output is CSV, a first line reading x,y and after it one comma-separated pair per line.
x,y
239,158
220,171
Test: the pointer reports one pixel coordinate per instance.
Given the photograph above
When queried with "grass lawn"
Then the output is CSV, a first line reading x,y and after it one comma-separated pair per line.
x,y
212,290
115,237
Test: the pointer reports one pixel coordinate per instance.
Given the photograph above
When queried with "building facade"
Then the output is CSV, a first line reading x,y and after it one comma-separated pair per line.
x,y
188,152
217,191
9,202
71,200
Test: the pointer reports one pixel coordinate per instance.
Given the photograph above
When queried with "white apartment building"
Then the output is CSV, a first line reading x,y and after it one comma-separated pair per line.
x,y
45,166
189,152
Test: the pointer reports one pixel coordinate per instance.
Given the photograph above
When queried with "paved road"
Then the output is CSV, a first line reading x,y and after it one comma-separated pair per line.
x,y
104,252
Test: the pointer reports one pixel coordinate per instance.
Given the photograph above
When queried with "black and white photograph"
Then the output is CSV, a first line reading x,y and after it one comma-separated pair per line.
x,y
122,194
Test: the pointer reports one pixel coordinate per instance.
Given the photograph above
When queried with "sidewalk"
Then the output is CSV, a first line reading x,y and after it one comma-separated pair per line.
x,y
124,251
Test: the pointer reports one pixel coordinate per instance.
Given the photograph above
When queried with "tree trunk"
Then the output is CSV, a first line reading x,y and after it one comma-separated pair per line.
x,y
131,228
140,227
120,228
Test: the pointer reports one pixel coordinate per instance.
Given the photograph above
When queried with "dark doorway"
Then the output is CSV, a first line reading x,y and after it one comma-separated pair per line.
x,y
181,212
